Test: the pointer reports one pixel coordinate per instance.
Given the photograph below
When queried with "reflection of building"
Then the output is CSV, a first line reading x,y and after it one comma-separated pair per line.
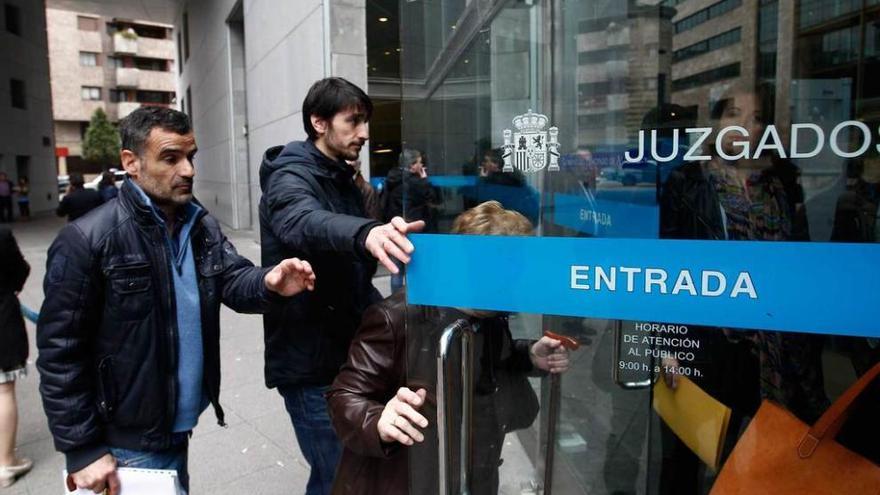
x,y
838,41
25,104
623,68
104,62
713,47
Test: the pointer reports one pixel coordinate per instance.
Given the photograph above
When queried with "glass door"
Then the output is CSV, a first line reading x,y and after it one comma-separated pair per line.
x,y
698,181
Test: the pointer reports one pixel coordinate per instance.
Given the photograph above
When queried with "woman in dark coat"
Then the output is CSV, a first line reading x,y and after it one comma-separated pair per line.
x,y
383,402
13,354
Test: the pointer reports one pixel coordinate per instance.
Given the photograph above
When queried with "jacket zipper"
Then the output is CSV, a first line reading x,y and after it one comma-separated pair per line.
x,y
171,325
212,397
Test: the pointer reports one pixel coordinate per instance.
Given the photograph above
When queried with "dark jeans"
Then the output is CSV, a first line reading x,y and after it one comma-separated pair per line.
x,y
6,209
317,440
173,458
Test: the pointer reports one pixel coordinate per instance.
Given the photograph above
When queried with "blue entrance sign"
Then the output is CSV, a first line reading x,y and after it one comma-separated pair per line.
x,y
787,286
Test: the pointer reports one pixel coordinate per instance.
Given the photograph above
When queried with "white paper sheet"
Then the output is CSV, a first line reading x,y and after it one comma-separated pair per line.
x,y
140,482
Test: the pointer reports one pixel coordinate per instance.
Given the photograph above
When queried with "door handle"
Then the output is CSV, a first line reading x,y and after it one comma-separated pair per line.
x,y
462,332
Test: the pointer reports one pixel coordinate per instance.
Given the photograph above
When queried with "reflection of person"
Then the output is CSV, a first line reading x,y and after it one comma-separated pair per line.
x,y
742,200
508,188
6,189
129,332
78,201
410,195
13,355
384,398
311,207
856,213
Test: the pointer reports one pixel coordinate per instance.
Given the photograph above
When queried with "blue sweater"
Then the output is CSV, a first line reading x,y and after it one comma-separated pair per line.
x,y
191,397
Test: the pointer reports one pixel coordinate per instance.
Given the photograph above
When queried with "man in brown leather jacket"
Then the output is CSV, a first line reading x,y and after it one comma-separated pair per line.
x,y
385,396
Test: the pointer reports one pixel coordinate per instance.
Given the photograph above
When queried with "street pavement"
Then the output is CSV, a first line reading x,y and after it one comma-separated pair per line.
x,y
256,454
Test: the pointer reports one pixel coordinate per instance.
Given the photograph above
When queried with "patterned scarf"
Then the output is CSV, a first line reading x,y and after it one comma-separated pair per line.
x,y
754,212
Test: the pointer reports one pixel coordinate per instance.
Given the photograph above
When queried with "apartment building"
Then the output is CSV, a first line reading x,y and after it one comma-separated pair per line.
x,y
116,64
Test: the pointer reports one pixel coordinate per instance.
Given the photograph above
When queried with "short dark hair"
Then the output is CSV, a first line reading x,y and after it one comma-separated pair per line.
x,y
76,180
495,155
135,128
330,96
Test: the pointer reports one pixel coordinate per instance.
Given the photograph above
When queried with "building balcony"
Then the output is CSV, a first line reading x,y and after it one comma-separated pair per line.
x,y
128,78
124,43
156,48
151,80
126,107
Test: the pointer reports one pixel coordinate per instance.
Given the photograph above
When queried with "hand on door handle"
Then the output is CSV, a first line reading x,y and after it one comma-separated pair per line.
x,y
550,353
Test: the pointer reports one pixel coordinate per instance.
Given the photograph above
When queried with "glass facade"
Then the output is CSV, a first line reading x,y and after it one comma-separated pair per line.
x,y
688,125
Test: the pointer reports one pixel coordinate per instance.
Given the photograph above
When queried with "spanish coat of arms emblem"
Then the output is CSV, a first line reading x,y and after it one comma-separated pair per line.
x,y
531,148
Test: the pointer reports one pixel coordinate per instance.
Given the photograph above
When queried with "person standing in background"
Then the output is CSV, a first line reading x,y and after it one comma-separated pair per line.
x,y
78,201
13,355
410,195
24,201
107,187
6,189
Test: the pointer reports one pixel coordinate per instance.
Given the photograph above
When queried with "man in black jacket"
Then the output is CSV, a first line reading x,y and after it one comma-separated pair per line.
x,y
78,201
312,207
129,335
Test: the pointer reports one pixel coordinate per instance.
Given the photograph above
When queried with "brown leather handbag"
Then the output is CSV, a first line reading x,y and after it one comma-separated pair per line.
x,y
781,455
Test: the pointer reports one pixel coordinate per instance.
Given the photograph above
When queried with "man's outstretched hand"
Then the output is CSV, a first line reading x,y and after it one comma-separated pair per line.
x,y
290,277
389,240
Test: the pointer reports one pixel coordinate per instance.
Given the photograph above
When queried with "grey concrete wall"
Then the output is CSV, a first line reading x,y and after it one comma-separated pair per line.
x,y
286,49
28,132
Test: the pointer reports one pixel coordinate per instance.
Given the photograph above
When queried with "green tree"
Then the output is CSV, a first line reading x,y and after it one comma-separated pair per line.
x,y
101,144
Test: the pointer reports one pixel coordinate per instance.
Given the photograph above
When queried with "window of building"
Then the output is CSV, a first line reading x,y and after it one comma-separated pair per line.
x,y
601,120
84,23
814,12
13,18
158,97
115,62
708,45
91,93
603,55
839,47
88,59
768,20
185,27
711,12
189,102
706,77
151,64
179,54
17,93
119,95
